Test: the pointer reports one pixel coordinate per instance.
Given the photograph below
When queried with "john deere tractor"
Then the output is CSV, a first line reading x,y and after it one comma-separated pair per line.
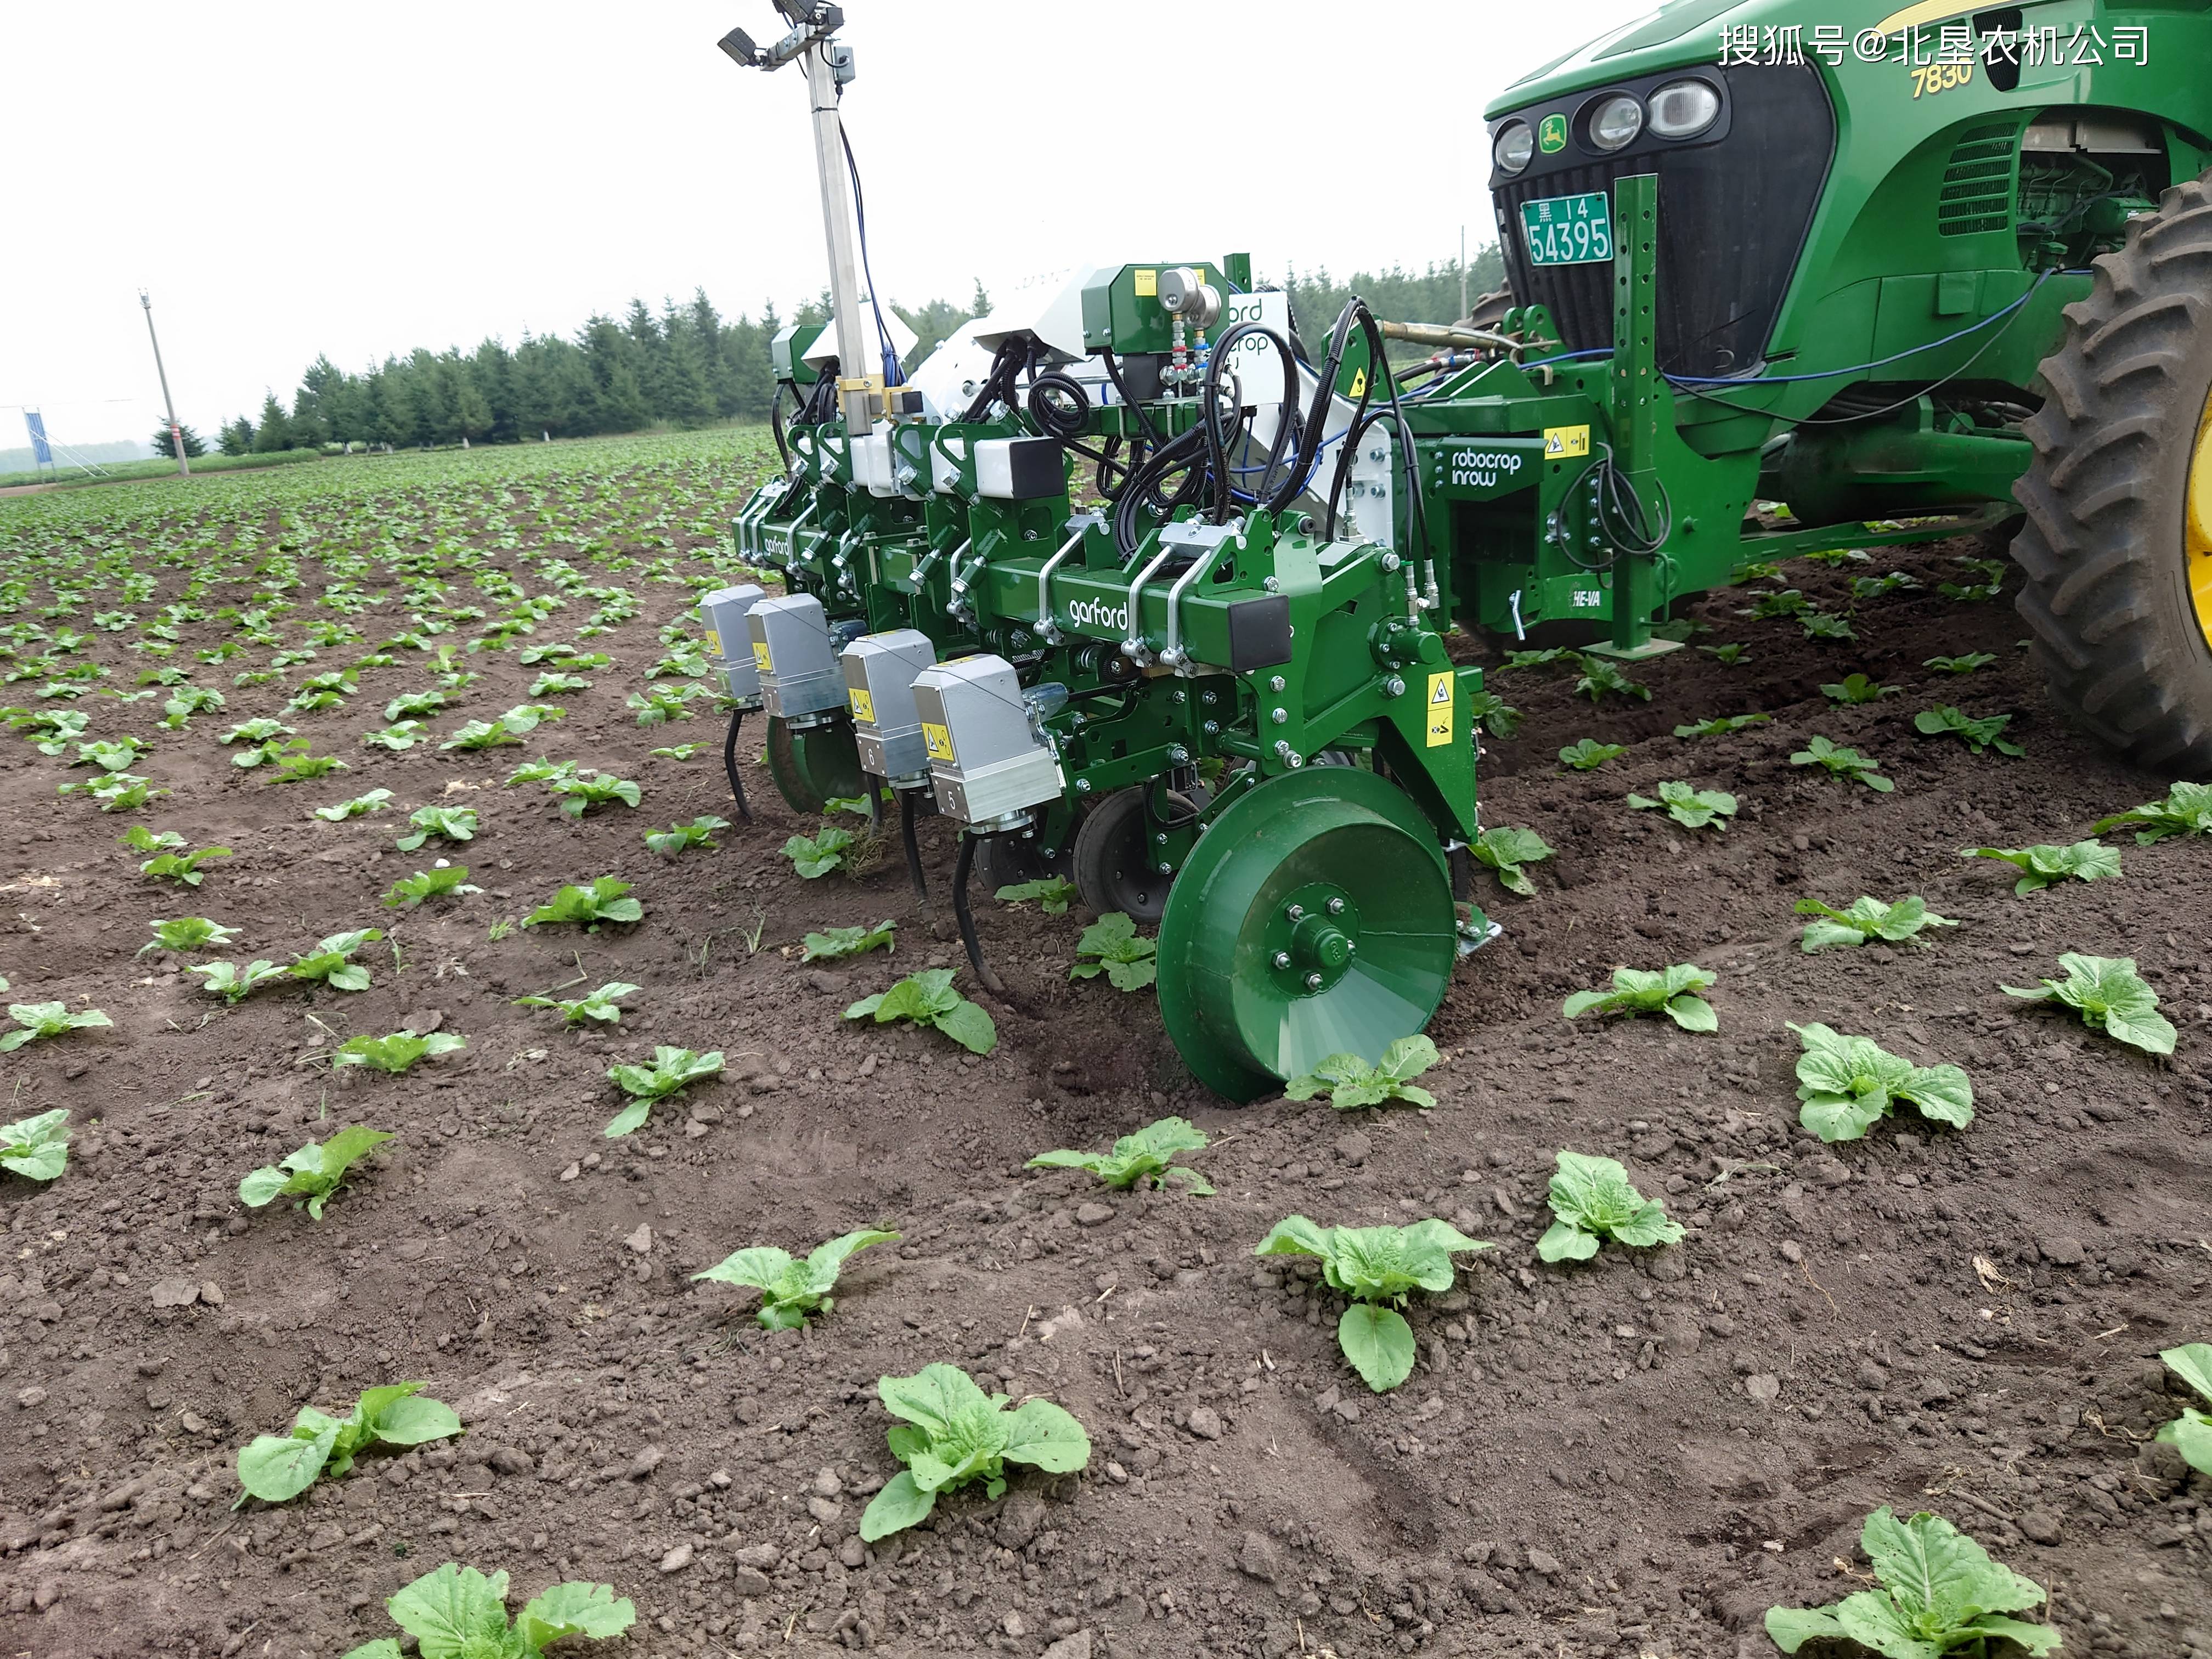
x,y
1148,582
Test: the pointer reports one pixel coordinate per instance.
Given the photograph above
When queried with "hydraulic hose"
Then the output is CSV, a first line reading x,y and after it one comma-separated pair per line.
x,y
913,847
962,869
730,764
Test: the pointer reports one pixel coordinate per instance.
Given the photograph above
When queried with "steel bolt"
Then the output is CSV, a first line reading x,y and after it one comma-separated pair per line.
x,y
1083,786
1391,562
1336,907
1396,685
1164,867
1282,958
1280,716
1296,913
1178,754
1161,838
1276,683
1212,728
1313,982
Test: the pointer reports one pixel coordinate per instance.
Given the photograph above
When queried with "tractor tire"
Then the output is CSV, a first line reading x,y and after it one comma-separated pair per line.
x,y
2117,547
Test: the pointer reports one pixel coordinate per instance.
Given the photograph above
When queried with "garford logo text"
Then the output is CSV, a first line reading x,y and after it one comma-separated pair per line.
x,y
1092,613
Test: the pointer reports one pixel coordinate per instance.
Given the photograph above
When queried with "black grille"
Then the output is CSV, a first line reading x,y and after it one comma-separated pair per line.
x,y
1732,217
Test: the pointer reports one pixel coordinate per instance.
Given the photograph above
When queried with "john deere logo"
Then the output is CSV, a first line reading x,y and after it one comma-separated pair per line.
x,y
1553,133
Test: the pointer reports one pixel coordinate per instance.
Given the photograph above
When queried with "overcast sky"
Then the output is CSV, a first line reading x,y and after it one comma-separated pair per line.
x,y
288,180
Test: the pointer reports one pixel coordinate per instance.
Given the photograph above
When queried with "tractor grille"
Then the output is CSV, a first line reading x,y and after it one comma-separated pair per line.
x,y
1732,217
1978,186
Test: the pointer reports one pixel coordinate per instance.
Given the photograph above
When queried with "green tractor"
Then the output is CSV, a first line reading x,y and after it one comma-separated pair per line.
x,y
1776,286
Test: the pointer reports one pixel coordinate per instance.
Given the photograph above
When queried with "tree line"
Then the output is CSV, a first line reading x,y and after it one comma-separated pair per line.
x,y
688,366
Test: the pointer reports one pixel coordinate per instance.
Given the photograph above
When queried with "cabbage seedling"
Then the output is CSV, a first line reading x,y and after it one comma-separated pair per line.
x,y
1377,1267
835,943
314,1174
1728,655
953,1433
2105,991
36,1148
374,801
2186,811
456,1613
116,791
1351,1082
255,732
1505,849
180,867
1721,725
1144,1158
700,832
411,891
541,770
1692,808
1493,714
1599,677
233,983
2190,1434
399,737
928,999
1961,665
294,764
1849,1083
1053,894
675,751
550,681
1857,688
276,1467
330,960
189,934
1592,1201
601,902
115,756
1672,991
1840,761
790,1289
1588,753
602,1004
1110,945
816,855
35,1020
1980,736
1940,1593
673,1071
590,789
1866,918
2041,866
396,1053
480,734
453,823
1819,625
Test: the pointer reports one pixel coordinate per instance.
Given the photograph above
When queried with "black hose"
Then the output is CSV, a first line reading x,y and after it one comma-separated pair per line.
x,y
961,871
730,764
1218,443
776,425
913,847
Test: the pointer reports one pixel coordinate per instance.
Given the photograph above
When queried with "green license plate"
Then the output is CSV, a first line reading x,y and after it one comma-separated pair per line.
x,y
1567,230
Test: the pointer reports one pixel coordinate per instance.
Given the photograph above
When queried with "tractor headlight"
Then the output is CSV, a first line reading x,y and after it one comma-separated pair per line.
x,y
1683,109
1616,121
1517,142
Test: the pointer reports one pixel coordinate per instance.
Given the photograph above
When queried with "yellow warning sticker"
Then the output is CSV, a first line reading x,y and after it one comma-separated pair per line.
x,y
938,741
1358,383
1564,441
864,706
760,657
1148,284
1440,708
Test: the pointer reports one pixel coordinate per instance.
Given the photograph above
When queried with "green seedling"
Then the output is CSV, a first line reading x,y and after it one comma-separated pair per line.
x,y
330,960
548,683
1991,572
1053,894
2108,993
1146,1156
1788,602
1868,919
1352,1084
116,756
1833,557
675,751
1939,1595
442,878
396,1053
1848,1084
37,1020
374,801
589,789
1846,764
254,732
35,1148
1538,658
1857,688
1505,849
314,1174
456,1613
186,700
481,734
294,764
1821,625
700,832
189,934
1599,677
659,705
453,823
673,1071
1980,736
2041,866
1877,587
816,855
1692,808
2190,1434
1588,753
835,943
2186,811
182,867
541,770
1493,714
234,983
1110,945
277,1467
952,1433
1961,665
928,999
116,791
1592,1199
1721,724
1727,655
398,737
791,1288
589,907
1672,991
1377,1267
602,1004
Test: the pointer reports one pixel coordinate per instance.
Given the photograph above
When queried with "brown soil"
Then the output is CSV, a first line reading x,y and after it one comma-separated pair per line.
x,y
1633,1457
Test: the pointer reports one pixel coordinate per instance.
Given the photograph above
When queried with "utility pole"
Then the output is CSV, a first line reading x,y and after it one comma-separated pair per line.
x,y
176,432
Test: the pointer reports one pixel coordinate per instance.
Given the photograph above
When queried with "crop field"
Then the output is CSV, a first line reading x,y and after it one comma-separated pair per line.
x,y
424,1013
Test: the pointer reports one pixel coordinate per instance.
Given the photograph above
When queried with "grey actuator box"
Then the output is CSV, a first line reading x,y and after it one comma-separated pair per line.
x,y
985,759
880,674
796,655
724,611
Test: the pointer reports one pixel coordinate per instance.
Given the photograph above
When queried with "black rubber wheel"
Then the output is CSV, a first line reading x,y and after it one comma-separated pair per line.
x,y
1009,860
2118,543
1114,866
